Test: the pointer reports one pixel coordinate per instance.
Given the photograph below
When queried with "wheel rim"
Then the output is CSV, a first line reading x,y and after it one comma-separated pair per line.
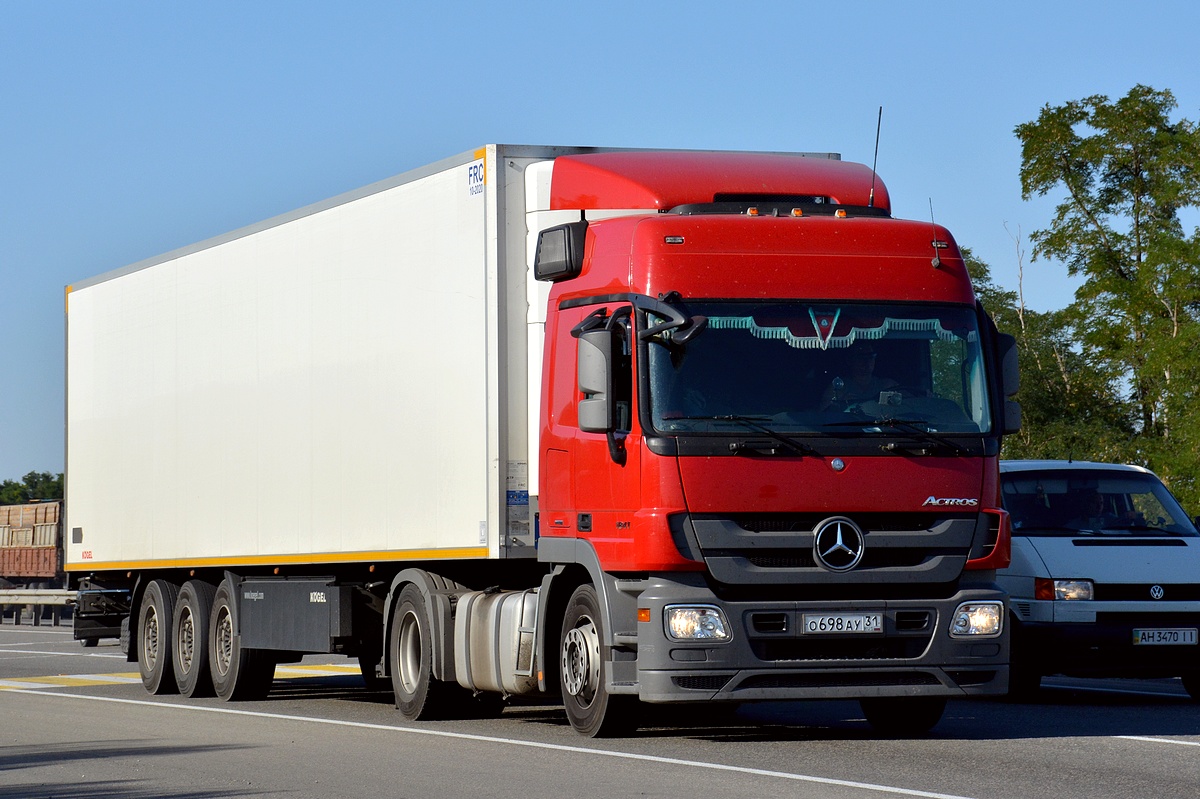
x,y
581,660
186,645
408,652
224,641
150,638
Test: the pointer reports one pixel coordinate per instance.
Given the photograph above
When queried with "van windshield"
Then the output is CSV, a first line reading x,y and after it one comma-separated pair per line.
x,y
822,368
1071,502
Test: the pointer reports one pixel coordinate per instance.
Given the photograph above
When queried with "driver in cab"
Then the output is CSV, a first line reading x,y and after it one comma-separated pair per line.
x,y
859,383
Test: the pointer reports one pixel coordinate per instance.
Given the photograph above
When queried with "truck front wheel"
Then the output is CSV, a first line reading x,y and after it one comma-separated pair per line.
x,y
237,673
591,709
155,635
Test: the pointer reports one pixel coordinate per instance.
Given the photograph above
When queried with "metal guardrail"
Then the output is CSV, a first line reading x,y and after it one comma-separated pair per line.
x,y
36,599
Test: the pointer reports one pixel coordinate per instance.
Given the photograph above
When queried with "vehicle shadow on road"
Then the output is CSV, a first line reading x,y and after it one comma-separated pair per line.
x,y
16,758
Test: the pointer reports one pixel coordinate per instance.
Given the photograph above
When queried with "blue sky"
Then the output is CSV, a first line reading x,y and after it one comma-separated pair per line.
x,y
129,129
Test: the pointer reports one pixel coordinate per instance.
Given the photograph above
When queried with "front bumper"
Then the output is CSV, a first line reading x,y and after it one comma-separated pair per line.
x,y
1097,638
767,657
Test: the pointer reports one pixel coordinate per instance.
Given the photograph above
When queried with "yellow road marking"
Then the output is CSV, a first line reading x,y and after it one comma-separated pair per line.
x,y
289,671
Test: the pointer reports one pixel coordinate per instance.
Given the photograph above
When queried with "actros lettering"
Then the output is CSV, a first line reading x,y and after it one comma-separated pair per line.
x,y
950,502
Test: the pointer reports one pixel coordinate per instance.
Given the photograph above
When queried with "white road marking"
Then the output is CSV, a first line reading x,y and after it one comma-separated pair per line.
x,y
62,654
1148,739
671,761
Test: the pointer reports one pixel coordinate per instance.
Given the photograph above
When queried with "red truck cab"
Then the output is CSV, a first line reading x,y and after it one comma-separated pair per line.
x,y
771,422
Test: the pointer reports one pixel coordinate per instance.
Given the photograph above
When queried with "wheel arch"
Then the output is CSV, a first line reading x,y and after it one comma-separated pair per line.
x,y
576,564
439,593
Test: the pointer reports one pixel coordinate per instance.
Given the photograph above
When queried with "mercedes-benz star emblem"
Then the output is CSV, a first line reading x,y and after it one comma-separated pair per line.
x,y
1157,592
839,544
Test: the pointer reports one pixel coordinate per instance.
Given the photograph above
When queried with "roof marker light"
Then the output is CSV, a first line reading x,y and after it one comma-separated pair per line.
x,y
797,212
840,213
752,211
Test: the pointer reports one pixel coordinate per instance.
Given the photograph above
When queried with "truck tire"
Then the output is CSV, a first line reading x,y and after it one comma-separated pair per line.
x,y
155,637
190,659
582,674
903,716
419,697
237,674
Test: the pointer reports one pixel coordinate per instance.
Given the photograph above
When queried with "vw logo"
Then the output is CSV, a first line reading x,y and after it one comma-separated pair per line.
x,y
1157,592
838,544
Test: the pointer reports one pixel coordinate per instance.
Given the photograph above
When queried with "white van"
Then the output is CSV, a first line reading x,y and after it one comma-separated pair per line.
x,y
1105,574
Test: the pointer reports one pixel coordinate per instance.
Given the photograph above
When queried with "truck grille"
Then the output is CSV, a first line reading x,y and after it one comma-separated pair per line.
x,y
777,549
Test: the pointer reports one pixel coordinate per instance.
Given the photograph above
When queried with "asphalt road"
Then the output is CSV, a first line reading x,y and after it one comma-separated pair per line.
x,y
76,723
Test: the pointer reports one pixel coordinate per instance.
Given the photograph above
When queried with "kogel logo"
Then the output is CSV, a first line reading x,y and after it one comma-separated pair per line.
x,y
950,502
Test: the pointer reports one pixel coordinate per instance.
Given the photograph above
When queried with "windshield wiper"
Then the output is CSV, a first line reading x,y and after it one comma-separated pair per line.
x,y
916,428
755,423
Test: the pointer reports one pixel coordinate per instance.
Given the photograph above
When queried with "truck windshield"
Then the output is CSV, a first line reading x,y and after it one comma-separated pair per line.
x,y
1071,502
826,368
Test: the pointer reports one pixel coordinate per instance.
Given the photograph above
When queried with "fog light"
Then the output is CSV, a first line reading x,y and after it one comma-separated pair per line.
x,y
696,623
978,619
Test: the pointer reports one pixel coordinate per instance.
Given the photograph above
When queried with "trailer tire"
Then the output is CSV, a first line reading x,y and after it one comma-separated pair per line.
x,y
156,636
190,658
583,675
238,674
88,643
903,716
419,697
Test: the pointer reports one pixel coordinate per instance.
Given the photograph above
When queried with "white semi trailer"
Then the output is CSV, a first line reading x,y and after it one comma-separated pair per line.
x,y
454,425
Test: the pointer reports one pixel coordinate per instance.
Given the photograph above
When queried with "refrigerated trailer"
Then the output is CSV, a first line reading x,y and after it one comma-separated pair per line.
x,y
605,425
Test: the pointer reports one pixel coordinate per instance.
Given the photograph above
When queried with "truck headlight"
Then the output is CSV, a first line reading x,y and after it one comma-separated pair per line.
x,y
971,619
1044,588
696,623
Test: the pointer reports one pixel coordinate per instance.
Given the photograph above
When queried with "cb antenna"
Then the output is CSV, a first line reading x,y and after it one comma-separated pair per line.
x,y
937,243
875,160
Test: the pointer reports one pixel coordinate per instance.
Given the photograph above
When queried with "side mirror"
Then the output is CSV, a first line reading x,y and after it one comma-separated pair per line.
x,y
597,410
1010,375
1012,417
560,252
1010,381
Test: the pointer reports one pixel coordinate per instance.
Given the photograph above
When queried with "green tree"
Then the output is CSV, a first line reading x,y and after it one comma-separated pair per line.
x,y
35,485
1068,408
1125,171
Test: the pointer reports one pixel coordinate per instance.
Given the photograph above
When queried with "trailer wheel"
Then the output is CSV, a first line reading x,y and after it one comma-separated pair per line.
x,y
155,636
88,643
190,660
237,674
419,697
903,716
591,709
